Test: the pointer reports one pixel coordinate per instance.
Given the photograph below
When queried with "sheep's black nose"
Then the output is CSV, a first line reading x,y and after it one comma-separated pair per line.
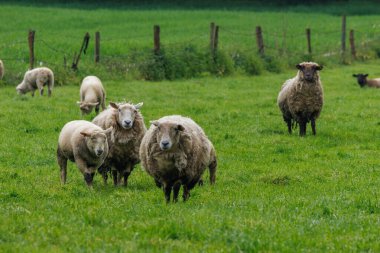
x,y
165,143
99,151
128,122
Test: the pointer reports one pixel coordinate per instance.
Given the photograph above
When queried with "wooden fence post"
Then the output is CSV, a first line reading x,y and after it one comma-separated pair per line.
x,y
216,38
212,38
156,31
308,37
259,39
343,34
352,44
97,47
31,48
83,49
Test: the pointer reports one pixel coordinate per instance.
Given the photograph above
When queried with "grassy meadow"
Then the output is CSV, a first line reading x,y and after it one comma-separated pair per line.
x,y
274,192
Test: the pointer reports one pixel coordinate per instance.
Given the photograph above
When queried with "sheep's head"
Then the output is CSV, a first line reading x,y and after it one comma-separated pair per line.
x,y
86,107
21,89
168,134
309,71
126,113
96,141
362,79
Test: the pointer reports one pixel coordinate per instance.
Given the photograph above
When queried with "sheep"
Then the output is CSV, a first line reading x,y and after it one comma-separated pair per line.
x,y
85,144
124,140
1,69
92,94
301,98
362,81
175,151
36,79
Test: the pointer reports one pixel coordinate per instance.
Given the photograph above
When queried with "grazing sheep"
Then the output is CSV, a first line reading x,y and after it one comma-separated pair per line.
x,y
124,140
92,95
1,69
175,151
36,79
85,144
301,98
362,81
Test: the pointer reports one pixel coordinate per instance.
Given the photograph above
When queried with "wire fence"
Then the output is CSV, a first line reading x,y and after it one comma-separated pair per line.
x,y
123,55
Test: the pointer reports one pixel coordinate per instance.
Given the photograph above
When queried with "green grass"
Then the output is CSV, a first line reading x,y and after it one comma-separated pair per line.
x,y
127,37
274,192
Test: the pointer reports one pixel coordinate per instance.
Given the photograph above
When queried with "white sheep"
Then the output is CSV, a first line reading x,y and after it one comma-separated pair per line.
x,y
124,140
301,98
175,151
36,79
363,81
92,94
1,69
85,144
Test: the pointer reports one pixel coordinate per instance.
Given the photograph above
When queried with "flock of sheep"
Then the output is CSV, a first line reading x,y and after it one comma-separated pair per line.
x,y
175,151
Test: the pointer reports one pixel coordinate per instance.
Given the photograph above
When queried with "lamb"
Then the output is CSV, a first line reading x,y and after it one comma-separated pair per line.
x,y
362,81
1,69
301,98
124,140
85,144
36,79
92,95
175,151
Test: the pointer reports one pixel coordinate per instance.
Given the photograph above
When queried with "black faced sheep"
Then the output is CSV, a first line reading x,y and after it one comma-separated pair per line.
x,y
301,98
363,81
175,151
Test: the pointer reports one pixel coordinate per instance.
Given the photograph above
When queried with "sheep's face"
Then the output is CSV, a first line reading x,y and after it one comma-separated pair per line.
x,y
362,79
126,113
309,71
168,134
96,142
21,89
86,107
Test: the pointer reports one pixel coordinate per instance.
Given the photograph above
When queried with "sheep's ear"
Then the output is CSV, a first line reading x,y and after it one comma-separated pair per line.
x,y
114,105
139,105
108,130
180,127
319,67
299,66
85,134
155,123
354,75
365,75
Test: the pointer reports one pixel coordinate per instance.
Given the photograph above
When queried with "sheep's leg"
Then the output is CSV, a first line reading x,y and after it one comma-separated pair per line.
x,y
114,176
126,175
103,170
40,86
97,109
33,92
186,193
158,183
62,162
50,86
200,182
89,177
313,126
176,188
167,191
303,127
288,123
212,169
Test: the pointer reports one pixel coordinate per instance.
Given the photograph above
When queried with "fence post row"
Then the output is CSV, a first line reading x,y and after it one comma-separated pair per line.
x,y
343,33
308,37
31,48
352,44
156,38
97,47
83,49
259,40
